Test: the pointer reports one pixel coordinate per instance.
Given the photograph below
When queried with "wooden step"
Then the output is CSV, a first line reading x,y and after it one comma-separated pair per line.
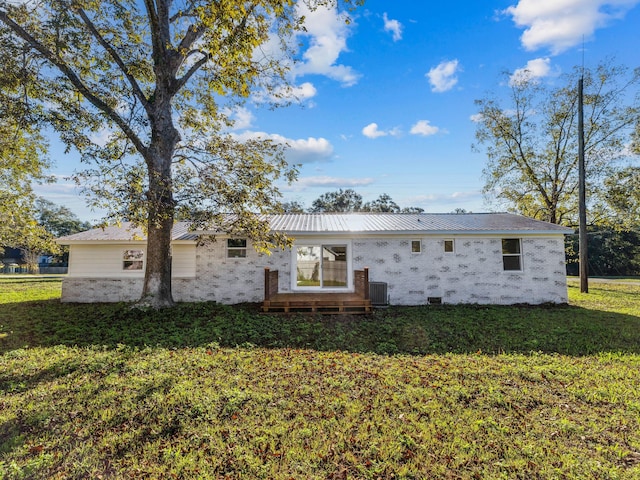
x,y
325,306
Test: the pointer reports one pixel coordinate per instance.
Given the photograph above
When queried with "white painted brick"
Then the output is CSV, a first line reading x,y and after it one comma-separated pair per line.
x,y
472,274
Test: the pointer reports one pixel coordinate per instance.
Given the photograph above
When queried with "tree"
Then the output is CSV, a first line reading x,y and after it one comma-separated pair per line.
x,y
23,160
59,220
611,252
156,76
384,203
622,195
412,210
350,201
338,201
531,144
292,207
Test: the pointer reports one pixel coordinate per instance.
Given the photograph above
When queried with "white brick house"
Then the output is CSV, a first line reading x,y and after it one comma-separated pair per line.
x,y
422,258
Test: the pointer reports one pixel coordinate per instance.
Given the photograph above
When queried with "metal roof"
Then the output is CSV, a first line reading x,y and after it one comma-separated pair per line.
x,y
125,232
410,223
356,223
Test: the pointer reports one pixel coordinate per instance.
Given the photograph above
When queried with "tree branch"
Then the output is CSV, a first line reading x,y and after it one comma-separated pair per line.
x,y
194,33
180,14
152,15
75,80
114,55
180,82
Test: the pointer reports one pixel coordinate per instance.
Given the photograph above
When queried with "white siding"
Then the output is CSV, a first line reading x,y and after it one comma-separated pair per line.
x,y
102,261
184,261
105,261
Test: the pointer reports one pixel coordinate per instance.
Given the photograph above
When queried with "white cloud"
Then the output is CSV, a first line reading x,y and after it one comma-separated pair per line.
x,y
288,93
303,91
64,192
327,33
537,68
424,128
372,131
393,26
448,200
297,151
63,187
326,181
443,77
562,24
476,117
101,137
242,118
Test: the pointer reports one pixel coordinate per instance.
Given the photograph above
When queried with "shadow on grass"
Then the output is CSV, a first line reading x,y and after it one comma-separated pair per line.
x,y
564,329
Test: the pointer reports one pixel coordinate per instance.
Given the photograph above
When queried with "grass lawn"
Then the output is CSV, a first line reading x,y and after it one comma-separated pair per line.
x,y
208,391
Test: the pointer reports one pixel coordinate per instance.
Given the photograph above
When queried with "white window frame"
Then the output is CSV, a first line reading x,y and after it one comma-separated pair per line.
x,y
319,242
419,242
453,245
517,255
130,255
241,250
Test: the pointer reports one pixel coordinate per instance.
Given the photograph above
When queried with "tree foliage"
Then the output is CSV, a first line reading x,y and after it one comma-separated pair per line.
x,y
292,207
612,252
351,201
622,195
59,220
532,142
384,203
23,157
22,162
338,201
158,79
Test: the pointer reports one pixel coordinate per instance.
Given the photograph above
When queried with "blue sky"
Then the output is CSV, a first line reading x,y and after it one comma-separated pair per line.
x,y
386,103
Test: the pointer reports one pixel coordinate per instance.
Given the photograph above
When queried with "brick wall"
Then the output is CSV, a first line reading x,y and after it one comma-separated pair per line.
x,y
473,273
237,280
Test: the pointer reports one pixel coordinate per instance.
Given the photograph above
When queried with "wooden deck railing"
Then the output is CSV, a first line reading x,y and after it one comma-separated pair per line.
x,y
270,283
317,301
360,283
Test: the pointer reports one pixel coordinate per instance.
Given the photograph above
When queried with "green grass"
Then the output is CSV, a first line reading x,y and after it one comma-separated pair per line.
x,y
207,391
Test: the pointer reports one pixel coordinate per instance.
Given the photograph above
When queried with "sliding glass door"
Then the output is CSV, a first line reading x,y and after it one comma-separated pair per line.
x,y
321,266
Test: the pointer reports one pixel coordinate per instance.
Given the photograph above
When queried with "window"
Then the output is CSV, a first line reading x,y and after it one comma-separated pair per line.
x,y
448,246
323,266
416,246
511,254
132,260
236,247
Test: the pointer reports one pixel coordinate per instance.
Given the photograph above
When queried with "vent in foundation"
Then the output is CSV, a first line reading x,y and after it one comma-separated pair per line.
x,y
434,300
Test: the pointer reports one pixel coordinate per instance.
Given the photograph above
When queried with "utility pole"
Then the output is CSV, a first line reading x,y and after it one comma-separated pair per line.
x,y
582,200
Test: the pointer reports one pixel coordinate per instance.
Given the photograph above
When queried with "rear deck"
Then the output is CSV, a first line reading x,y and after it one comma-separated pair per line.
x,y
317,302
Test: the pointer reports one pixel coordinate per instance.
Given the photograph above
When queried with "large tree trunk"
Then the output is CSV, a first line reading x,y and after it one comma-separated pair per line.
x,y
156,291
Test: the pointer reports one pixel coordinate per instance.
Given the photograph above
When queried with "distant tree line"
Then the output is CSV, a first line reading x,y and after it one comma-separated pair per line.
x,y
611,252
348,200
